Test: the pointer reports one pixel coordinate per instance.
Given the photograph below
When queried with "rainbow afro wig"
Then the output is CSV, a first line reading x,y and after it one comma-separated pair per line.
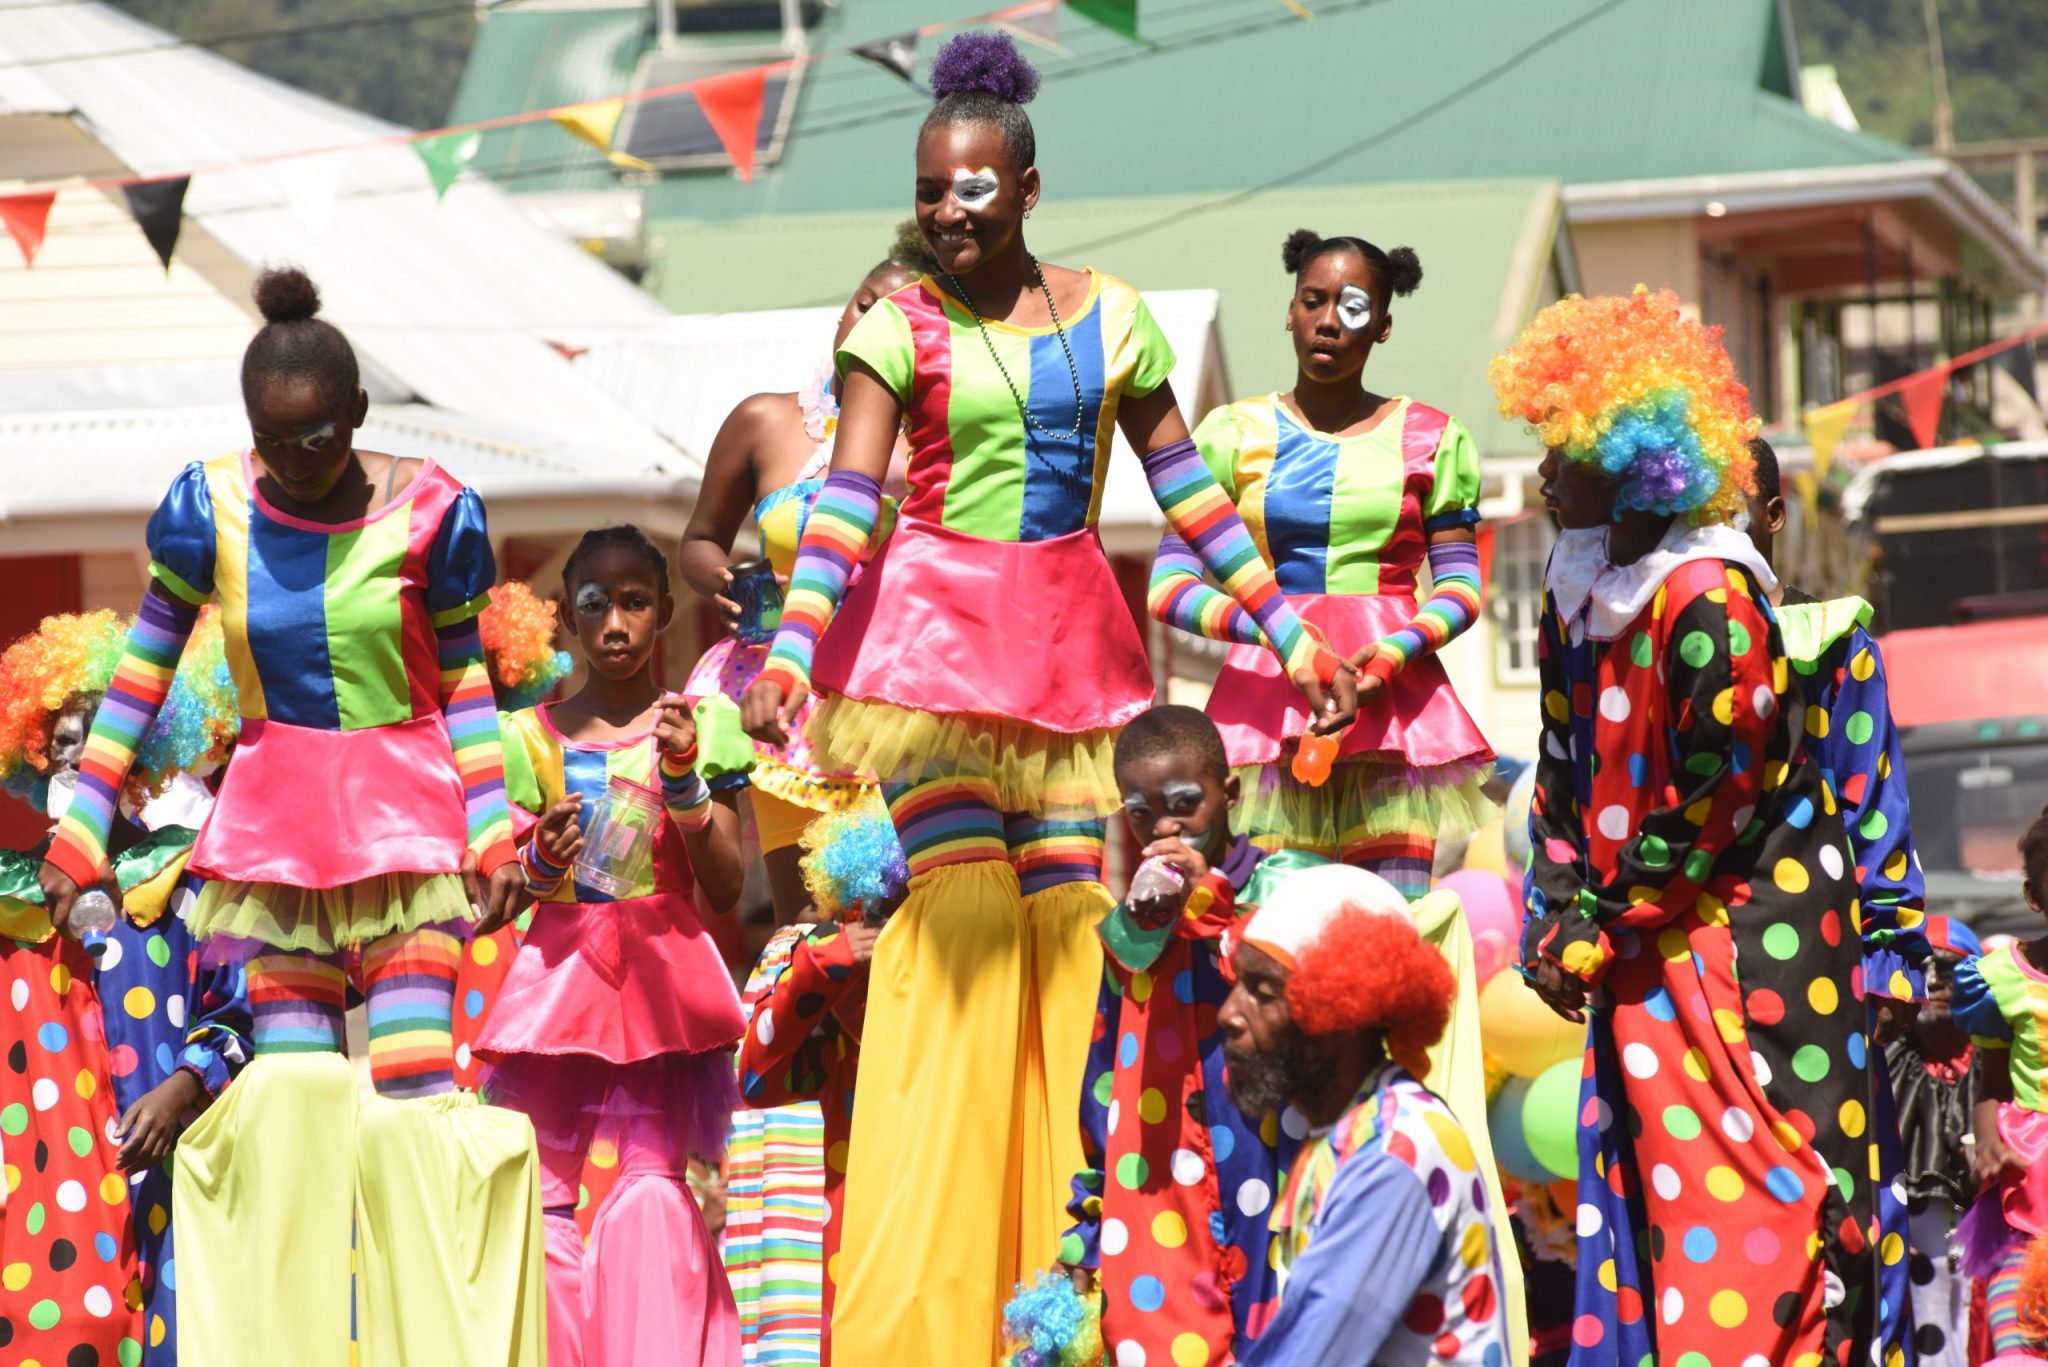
x,y
1631,385
66,657
852,860
518,630
1049,1324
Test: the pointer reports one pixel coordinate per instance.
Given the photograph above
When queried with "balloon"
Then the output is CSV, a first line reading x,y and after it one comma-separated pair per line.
x,y
1515,820
1487,850
1495,918
1550,1118
1519,1032
1504,1125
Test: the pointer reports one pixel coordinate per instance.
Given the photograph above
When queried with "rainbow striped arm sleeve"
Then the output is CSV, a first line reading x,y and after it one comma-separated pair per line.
x,y
141,681
543,875
1452,606
1202,515
471,711
835,539
684,792
1180,597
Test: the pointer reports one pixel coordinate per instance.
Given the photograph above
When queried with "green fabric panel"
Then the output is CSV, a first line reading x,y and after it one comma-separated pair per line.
x,y
881,341
522,786
985,493
1144,355
366,622
1809,629
2015,994
1365,505
1457,473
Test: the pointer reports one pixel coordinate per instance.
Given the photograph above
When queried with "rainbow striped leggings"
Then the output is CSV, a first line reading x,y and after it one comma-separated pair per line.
x,y
298,1000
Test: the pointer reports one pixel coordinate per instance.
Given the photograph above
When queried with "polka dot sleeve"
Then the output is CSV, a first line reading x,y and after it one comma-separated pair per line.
x,y
1722,700
784,1057
1556,842
1081,1245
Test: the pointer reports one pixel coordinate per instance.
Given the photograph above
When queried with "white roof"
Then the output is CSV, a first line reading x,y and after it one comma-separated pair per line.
x,y
685,380
453,304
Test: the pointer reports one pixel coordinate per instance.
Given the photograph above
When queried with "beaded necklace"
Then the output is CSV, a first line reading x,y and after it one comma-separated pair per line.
x,y
1074,371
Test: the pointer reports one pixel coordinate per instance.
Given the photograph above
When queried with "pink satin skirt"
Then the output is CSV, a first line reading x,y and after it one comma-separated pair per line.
x,y
310,808
1025,631
1258,709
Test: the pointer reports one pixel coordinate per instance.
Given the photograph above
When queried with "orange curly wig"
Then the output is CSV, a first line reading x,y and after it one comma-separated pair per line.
x,y
1631,385
1370,971
66,656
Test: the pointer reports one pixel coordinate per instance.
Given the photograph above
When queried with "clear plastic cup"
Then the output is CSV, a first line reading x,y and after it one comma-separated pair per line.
x,y
618,842
1155,879
92,917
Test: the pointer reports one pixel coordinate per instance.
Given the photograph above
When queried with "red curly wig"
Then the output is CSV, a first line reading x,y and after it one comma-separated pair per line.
x,y
1370,971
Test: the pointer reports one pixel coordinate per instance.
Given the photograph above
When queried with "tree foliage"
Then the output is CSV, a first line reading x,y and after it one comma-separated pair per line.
x,y
1997,64
403,70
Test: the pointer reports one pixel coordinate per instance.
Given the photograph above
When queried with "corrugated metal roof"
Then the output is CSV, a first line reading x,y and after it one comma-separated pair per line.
x,y
457,300
689,379
1487,250
539,57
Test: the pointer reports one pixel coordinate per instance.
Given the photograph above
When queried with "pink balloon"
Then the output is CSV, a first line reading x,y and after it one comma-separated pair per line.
x,y
1493,911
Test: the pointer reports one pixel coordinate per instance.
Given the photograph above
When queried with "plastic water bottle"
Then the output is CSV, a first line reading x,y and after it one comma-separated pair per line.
x,y
92,916
618,842
759,595
1156,879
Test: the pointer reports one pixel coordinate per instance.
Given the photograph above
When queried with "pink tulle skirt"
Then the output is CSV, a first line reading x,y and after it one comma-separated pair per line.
x,y
2017,1208
309,808
1035,632
621,982
1420,720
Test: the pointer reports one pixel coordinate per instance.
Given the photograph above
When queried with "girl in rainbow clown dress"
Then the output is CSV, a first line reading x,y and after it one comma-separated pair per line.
x,y
1728,1160
616,1024
108,1057
1346,493
980,665
363,809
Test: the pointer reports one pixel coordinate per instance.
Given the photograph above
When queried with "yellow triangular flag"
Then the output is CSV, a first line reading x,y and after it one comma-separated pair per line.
x,y
595,122
1824,429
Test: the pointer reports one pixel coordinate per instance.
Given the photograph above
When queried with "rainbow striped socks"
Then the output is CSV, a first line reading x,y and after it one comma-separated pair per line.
x,y
297,1002
411,981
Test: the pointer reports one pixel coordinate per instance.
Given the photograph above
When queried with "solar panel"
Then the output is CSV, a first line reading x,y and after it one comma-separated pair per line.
x,y
671,133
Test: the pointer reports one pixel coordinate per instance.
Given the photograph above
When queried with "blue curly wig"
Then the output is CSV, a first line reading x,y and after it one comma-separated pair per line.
x,y
852,860
1049,1324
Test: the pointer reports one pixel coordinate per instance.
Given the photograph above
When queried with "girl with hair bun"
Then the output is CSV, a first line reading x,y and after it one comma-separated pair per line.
x,y
363,812
1347,493
980,666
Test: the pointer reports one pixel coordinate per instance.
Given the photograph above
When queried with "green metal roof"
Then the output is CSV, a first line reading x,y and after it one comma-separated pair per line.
x,y
538,58
1487,248
1230,93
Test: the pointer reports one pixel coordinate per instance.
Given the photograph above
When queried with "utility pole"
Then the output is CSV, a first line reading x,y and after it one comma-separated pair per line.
x,y
1944,116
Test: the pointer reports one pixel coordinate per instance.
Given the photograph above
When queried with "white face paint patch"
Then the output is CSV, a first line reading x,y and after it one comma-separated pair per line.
x,y
1354,308
592,600
974,189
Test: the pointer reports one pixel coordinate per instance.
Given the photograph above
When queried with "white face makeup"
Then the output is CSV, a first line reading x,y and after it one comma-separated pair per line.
x,y
592,601
1354,308
974,189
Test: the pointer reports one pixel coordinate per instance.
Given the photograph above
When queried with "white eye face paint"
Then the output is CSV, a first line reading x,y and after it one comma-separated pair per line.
x,y
1354,308
592,600
974,189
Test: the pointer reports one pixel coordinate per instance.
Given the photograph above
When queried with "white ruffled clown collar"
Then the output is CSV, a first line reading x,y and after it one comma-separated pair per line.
x,y
1582,580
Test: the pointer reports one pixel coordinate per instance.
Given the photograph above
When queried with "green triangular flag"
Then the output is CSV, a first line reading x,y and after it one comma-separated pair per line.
x,y
446,155
1118,16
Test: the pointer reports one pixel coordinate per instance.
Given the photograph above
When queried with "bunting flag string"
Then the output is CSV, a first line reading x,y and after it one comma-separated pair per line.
x,y
897,55
1038,24
1118,16
158,208
1922,399
1921,394
597,123
446,156
26,217
732,106
1824,430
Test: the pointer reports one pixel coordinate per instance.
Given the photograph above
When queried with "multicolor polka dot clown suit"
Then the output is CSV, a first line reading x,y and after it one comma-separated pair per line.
x,y
980,665
1727,1162
1384,1231
86,1246
354,651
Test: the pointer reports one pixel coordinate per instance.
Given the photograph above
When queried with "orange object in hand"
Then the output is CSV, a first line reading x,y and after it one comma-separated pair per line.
x,y
1313,758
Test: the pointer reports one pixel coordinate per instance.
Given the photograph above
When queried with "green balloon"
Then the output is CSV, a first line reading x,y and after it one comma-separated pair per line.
x,y
1550,1118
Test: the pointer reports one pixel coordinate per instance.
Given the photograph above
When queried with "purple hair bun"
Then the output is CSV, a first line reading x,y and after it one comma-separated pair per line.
x,y
985,62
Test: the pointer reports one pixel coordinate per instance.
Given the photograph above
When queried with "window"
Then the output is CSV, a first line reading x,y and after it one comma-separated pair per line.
x,y
670,132
1521,549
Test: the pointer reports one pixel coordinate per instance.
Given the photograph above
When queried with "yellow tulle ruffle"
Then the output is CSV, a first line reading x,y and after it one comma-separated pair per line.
x,y
1033,770
327,920
1363,798
802,789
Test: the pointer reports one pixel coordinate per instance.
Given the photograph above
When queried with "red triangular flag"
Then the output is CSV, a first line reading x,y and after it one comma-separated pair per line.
x,y
732,106
26,216
1922,398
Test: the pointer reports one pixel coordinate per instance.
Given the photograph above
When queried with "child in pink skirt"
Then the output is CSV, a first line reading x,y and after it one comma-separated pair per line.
x,y
615,1028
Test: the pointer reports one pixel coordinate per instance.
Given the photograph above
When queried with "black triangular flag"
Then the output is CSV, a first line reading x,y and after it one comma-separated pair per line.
x,y
897,55
159,210
2018,362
